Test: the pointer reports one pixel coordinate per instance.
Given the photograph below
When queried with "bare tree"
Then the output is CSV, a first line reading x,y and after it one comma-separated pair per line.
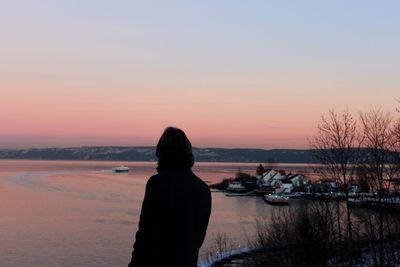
x,y
379,138
381,164
335,147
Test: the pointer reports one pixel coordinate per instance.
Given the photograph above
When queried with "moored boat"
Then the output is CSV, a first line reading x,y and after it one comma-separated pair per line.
x,y
275,199
236,186
121,169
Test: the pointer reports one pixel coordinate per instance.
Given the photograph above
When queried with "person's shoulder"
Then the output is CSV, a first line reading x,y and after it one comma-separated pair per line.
x,y
203,185
154,180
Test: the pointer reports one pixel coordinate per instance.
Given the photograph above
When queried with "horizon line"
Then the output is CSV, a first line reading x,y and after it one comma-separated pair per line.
x,y
147,146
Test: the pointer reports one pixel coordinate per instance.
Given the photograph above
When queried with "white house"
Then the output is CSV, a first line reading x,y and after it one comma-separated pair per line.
x,y
298,179
271,178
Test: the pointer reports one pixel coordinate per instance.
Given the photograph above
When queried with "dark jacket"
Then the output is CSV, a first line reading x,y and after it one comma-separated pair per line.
x,y
173,221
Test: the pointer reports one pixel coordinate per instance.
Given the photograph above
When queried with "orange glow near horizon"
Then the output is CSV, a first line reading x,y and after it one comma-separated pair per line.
x,y
58,116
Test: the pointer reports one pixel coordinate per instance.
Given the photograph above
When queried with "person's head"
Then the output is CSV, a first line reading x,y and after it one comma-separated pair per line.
x,y
174,150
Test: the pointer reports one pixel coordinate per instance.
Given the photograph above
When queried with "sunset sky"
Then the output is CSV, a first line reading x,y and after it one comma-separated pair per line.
x,y
230,73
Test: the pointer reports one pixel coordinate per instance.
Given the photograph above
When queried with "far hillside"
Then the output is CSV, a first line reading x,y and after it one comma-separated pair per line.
x,y
148,154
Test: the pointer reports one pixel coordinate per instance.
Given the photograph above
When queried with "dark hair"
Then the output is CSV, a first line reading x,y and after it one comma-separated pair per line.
x,y
174,150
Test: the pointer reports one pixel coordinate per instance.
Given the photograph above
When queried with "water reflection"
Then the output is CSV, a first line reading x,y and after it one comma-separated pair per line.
x,y
63,213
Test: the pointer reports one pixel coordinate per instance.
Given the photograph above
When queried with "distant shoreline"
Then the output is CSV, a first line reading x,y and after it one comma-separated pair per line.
x,y
147,154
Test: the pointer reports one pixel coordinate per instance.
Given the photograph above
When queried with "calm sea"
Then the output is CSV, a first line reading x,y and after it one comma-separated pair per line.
x,y
79,213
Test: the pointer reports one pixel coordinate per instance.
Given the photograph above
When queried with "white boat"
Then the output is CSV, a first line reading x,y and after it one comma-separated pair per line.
x,y
121,169
275,199
235,186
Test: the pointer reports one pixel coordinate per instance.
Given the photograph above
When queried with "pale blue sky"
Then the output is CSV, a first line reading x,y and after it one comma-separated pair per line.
x,y
350,38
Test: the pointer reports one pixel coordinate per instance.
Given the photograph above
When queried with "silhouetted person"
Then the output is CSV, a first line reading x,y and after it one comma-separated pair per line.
x,y
176,208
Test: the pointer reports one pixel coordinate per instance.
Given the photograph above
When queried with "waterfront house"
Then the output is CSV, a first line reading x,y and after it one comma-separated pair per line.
x,y
285,186
298,180
271,178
